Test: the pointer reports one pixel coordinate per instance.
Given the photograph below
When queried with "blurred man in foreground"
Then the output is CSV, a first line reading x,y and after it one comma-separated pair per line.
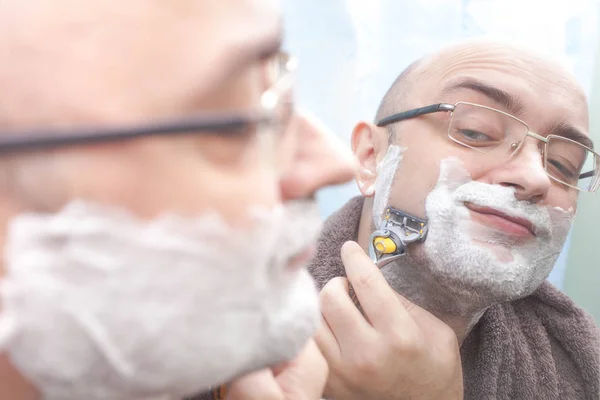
x,y
155,204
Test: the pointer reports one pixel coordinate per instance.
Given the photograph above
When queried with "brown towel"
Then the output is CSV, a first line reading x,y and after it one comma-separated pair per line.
x,y
216,394
539,347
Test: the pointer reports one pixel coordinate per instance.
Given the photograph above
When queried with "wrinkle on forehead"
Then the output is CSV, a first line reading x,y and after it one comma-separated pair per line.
x,y
539,70
536,75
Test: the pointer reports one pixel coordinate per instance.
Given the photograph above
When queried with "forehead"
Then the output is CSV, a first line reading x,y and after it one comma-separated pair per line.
x,y
545,94
230,34
120,52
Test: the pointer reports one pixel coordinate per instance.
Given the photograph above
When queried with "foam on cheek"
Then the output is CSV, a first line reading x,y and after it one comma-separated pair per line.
x,y
562,220
479,257
386,171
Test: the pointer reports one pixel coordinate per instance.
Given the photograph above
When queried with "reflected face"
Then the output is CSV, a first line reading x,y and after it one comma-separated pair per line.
x,y
496,224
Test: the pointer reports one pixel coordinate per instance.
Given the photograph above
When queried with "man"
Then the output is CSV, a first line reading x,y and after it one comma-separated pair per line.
x,y
146,149
470,177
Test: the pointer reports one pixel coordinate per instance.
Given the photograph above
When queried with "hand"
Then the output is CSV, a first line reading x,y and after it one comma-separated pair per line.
x,y
300,379
397,350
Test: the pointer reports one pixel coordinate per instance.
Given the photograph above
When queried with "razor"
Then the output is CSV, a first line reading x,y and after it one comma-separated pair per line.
x,y
397,230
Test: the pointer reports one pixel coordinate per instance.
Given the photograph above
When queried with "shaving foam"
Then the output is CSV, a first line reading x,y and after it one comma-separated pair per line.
x,y
97,304
386,171
478,258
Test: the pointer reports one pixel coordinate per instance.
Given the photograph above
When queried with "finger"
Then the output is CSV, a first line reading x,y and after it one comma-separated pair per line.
x,y
305,376
345,320
259,385
327,342
377,299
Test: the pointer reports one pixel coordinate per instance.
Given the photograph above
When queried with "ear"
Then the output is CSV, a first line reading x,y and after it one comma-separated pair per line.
x,y
369,144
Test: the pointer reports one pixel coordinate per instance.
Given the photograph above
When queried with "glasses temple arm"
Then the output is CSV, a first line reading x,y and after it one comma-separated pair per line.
x,y
417,112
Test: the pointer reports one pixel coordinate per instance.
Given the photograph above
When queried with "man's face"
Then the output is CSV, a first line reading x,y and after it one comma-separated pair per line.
x,y
496,224
540,96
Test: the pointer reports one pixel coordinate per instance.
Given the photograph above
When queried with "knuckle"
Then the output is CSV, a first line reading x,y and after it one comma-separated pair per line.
x,y
365,280
409,346
367,363
399,342
409,306
448,340
333,289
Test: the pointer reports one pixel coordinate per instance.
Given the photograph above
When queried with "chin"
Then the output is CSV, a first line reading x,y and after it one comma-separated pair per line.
x,y
295,318
291,317
502,253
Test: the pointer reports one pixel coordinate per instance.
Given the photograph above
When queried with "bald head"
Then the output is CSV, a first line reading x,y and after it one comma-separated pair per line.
x,y
411,88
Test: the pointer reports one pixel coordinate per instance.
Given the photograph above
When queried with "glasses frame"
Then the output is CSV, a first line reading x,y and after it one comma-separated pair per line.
x,y
227,123
447,107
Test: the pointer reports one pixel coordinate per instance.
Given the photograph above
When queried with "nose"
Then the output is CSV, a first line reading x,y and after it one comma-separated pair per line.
x,y
525,172
319,159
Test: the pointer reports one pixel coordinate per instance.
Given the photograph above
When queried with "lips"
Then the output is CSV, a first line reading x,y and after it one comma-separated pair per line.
x,y
520,227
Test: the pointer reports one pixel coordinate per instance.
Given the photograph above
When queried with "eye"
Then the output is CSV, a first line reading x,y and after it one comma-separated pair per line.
x,y
475,136
564,171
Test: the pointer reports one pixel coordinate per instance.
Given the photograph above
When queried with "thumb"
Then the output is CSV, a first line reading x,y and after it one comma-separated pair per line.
x,y
259,385
305,376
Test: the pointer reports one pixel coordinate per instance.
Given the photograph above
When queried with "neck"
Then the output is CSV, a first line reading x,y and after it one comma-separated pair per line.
x,y
458,309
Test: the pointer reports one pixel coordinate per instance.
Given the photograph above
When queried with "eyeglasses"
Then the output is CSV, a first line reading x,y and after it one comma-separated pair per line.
x,y
274,113
502,135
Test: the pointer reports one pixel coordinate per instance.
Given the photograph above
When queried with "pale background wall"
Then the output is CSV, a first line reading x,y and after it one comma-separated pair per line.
x,y
351,50
582,280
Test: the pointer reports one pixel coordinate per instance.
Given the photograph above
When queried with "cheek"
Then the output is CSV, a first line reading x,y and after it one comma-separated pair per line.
x,y
150,180
419,172
562,198
416,176
231,194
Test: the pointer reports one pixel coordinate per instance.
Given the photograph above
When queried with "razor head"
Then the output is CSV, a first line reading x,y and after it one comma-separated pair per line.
x,y
397,230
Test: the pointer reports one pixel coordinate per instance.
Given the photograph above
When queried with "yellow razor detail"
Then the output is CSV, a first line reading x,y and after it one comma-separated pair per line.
x,y
384,245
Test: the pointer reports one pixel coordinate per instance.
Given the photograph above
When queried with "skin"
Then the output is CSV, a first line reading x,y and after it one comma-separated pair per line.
x,y
154,60
548,96
393,350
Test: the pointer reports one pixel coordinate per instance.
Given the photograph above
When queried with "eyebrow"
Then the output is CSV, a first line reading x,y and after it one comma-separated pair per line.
x,y
570,132
509,102
267,47
237,58
271,46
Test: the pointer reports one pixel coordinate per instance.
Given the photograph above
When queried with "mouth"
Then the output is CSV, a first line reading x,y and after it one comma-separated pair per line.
x,y
300,259
514,226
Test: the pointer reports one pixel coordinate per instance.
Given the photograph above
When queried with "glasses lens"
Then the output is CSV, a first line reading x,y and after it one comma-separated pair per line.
x,y
572,163
486,130
278,102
